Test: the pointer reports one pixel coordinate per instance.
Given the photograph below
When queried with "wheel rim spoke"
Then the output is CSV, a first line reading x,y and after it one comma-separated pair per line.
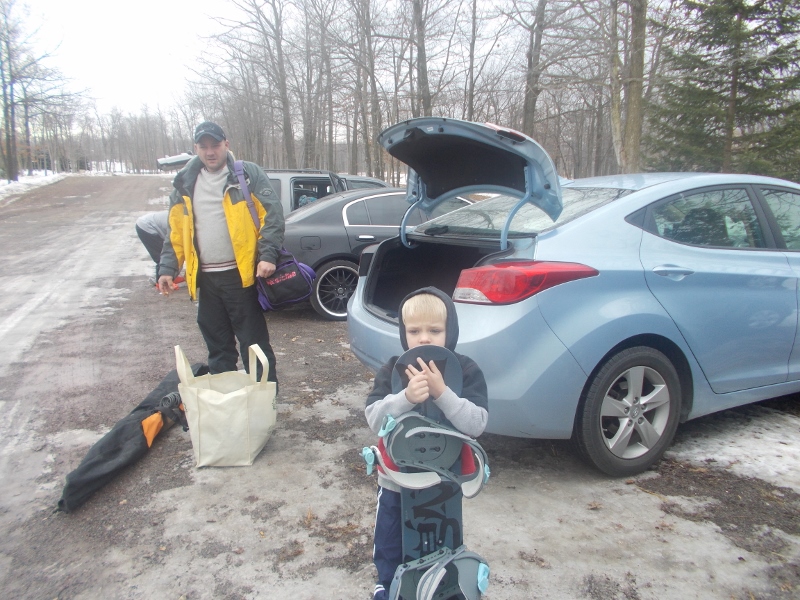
x,y
647,433
658,397
635,377
614,408
619,443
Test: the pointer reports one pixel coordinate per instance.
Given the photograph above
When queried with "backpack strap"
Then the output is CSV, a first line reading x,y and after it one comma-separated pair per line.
x,y
238,169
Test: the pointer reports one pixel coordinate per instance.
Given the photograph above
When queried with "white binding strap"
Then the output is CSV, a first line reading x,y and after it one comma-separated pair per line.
x,y
412,481
471,487
430,580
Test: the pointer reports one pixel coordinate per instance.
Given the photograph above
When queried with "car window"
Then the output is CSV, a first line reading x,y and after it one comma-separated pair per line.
x,y
719,218
360,185
785,205
276,185
389,210
447,206
487,217
356,214
305,191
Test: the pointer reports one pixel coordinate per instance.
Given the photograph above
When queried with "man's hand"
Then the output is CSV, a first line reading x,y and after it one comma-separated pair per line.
x,y
166,285
265,269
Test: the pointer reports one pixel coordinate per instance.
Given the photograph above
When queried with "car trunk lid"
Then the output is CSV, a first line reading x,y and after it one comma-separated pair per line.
x,y
448,157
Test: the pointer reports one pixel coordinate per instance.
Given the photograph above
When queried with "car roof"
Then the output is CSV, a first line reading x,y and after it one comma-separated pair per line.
x,y
332,201
635,181
640,181
298,171
363,178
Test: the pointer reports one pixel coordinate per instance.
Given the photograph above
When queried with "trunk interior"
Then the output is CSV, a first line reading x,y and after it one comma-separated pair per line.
x,y
397,271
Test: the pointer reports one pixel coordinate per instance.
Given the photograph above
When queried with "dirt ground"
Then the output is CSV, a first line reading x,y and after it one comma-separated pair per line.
x,y
85,338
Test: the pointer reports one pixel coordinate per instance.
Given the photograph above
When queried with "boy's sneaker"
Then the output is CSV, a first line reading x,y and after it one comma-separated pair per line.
x,y
179,280
379,593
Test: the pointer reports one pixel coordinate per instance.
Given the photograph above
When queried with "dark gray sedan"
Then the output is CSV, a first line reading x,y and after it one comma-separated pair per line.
x,y
330,233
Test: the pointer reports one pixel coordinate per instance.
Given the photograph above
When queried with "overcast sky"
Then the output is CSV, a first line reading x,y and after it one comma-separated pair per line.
x,y
127,53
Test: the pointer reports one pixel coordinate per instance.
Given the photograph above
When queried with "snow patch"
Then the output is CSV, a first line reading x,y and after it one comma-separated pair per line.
x,y
26,183
752,441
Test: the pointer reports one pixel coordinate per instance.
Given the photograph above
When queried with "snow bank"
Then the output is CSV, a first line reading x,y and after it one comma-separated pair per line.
x,y
751,441
25,183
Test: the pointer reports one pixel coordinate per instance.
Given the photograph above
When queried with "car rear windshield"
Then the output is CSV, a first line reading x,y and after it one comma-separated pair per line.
x,y
487,217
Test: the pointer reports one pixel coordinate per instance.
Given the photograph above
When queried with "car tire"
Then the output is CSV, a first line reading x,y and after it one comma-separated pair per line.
x,y
335,283
629,413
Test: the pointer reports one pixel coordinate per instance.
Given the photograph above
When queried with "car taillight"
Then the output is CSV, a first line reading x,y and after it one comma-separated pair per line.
x,y
506,283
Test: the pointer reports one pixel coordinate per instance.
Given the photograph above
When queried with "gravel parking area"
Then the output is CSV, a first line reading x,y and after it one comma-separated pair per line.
x,y
85,338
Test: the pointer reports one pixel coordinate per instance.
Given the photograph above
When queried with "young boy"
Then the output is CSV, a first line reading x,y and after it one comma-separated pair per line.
x,y
427,316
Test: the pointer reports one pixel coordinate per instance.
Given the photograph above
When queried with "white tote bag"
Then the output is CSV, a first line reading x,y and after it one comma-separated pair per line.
x,y
231,415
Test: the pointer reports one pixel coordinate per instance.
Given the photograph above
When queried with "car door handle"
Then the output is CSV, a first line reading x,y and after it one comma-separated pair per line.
x,y
365,238
674,272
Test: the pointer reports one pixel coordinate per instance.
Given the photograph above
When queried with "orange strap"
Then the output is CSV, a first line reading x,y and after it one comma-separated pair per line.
x,y
151,426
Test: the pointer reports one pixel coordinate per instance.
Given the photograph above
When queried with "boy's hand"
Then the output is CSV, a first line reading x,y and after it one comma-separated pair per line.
x,y
424,382
417,388
436,385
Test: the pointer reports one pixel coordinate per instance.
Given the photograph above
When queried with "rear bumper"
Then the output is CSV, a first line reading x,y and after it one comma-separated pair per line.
x,y
534,382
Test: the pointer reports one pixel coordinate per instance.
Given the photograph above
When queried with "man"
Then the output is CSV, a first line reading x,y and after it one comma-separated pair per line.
x,y
211,229
152,229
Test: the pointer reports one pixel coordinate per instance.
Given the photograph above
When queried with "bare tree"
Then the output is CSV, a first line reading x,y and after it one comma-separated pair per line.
x,y
266,21
624,30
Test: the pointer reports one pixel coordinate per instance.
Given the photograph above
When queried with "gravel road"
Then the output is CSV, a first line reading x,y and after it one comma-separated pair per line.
x,y
84,338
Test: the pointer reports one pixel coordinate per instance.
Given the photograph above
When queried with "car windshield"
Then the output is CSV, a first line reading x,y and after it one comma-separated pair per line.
x,y
487,217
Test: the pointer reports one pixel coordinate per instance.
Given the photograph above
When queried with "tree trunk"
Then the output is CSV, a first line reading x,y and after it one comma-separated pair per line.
x,y
730,113
534,69
354,147
598,134
616,91
28,154
364,129
471,70
374,99
9,106
422,60
635,88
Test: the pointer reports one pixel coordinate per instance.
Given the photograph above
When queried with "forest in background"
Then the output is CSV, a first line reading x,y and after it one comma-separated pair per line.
x,y
606,86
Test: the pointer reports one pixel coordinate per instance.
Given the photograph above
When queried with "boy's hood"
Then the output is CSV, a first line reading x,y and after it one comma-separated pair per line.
x,y
451,323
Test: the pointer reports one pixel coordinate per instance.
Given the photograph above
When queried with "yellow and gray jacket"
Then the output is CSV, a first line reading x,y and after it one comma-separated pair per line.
x,y
249,244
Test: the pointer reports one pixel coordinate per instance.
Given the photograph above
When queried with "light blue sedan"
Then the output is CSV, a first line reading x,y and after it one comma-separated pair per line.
x,y
606,310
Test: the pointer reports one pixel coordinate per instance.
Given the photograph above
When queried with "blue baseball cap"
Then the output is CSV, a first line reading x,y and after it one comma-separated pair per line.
x,y
208,128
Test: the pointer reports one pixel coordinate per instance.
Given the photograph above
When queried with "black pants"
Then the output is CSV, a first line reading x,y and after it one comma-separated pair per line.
x,y
228,312
153,244
387,552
